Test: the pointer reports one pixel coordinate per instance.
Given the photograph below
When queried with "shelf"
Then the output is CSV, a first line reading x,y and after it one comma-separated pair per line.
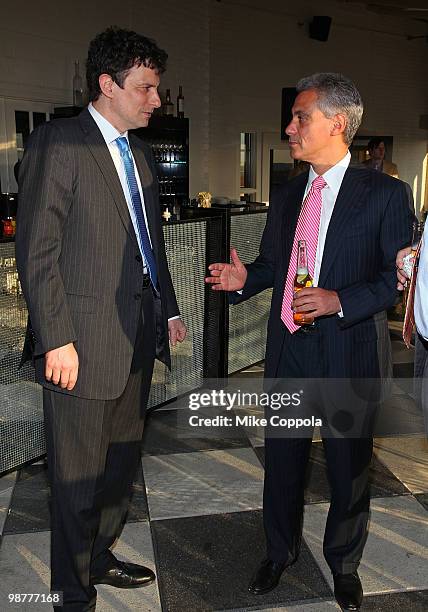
x,y
171,163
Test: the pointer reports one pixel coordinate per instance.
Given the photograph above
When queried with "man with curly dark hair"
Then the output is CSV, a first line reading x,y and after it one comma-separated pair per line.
x,y
101,303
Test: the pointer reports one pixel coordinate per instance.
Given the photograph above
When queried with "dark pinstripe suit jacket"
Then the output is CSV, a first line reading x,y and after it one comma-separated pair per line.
x,y
78,257
371,221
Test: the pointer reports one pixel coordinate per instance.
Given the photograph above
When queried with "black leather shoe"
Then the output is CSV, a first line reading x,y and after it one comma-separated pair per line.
x,y
267,576
348,591
125,576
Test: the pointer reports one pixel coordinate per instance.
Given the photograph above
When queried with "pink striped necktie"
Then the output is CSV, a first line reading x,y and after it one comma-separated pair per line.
x,y
308,226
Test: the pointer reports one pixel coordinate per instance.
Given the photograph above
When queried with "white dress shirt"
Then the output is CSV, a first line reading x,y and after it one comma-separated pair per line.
x,y
421,292
333,178
110,133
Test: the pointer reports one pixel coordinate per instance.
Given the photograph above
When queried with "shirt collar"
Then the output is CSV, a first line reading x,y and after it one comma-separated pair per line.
x,y
109,132
334,176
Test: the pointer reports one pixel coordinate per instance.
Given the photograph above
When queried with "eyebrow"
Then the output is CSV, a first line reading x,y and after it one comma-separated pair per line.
x,y
301,113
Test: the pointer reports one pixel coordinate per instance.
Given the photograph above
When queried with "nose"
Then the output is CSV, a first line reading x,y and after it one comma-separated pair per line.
x,y
156,101
291,128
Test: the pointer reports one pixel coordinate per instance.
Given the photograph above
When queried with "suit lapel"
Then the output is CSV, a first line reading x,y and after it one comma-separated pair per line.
x,y
352,195
101,154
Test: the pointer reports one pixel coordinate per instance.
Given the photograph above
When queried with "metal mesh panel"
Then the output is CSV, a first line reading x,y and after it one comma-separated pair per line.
x,y
21,412
185,247
21,415
248,321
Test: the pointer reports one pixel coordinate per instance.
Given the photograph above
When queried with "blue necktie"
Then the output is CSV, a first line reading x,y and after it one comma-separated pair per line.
x,y
138,208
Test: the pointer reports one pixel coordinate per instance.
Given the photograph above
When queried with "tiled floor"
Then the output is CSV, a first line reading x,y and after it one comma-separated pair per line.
x,y
196,518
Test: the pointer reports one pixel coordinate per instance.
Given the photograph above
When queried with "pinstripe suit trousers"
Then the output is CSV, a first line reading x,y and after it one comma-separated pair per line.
x,y
347,459
93,449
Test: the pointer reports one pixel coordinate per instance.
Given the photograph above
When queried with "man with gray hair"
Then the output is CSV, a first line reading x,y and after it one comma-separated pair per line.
x,y
354,221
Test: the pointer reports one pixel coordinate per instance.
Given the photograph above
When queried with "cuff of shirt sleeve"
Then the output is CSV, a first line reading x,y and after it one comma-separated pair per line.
x,y
173,318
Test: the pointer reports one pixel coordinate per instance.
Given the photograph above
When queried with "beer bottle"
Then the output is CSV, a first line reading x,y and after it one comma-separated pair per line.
x,y
301,280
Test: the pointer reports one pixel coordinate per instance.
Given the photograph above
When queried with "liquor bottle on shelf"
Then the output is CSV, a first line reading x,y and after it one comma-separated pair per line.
x,y
169,105
180,103
77,86
301,280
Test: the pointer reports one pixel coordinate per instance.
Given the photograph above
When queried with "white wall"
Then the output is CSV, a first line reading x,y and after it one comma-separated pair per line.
x,y
40,39
257,51
232,57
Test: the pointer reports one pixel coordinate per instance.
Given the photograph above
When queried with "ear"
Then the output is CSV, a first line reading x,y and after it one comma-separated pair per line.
x,y
106,85
338,124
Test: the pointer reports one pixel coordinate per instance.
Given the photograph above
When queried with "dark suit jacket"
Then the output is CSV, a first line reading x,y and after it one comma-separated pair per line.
x,y
371,221
78,257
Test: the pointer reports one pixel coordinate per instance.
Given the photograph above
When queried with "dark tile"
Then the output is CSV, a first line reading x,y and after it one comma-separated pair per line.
x,y
403,370
206,562
260,452
399,415
138,510
408,601
29,507
422,499
396,334
169,431
400,352
383,483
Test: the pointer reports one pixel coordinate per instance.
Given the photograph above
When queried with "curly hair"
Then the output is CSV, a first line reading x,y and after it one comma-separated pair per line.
x,y
115,51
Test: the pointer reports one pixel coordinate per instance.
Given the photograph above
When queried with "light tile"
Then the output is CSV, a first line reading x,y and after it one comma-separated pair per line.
x,y
210,482
407,458
319,606
396,553
134,546
24,568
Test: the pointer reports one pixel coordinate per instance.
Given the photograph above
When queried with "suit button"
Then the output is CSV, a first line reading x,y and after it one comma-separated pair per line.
x,y
137,296
138,258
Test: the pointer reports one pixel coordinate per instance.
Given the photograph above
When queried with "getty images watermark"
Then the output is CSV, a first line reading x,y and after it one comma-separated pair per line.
x,y
239,399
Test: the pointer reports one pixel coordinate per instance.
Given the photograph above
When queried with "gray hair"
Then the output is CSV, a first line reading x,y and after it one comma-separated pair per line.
x,y
336,94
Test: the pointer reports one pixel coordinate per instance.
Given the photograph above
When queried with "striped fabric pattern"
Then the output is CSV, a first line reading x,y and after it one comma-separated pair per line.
x,y
78,256
125,154
307,229
409,317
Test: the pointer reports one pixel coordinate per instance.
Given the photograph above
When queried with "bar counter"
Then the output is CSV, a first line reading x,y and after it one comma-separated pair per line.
x,y
221,339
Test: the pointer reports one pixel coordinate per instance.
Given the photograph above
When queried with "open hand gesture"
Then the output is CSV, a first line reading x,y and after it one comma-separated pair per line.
x,y
227,276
